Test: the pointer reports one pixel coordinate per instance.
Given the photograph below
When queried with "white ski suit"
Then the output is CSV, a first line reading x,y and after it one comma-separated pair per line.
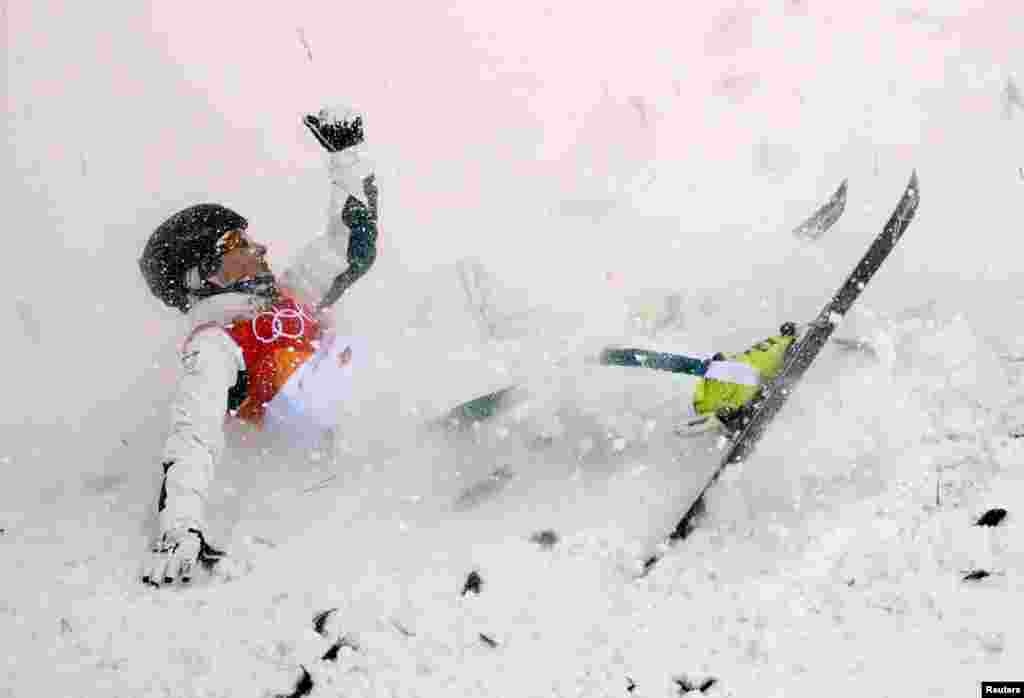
x,y
301,392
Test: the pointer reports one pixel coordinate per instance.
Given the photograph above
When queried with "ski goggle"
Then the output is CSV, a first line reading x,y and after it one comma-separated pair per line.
x,y
232,240
228,242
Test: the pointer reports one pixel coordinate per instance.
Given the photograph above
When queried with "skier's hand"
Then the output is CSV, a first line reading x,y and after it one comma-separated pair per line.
x,y
335,132
174,556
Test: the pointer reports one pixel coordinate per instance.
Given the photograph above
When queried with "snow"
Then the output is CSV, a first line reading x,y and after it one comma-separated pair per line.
x,y
636,188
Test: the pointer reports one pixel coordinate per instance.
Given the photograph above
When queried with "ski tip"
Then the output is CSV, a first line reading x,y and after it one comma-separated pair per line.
x,y
913,183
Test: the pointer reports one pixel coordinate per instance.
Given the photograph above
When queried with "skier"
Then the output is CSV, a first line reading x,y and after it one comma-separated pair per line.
x,y
258,347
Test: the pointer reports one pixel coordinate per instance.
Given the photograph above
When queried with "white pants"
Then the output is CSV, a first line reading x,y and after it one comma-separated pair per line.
x,y
308,404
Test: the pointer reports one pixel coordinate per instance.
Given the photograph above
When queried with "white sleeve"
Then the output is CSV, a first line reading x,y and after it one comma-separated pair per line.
x,y
347,170
210,363
316,266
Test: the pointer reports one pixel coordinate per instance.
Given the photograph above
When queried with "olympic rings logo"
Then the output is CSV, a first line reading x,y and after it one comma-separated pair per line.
x,y
289,323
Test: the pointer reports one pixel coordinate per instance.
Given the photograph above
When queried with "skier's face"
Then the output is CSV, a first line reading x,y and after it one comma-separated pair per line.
x,y
242,258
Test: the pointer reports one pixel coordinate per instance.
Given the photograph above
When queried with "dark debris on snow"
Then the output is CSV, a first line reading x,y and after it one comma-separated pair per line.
x,y
331,655
320,621
303,687
474,582
992,517
687,684
545,539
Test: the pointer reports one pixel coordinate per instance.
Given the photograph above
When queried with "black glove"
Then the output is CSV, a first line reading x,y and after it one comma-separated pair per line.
x,y
174,556
788,329
335,136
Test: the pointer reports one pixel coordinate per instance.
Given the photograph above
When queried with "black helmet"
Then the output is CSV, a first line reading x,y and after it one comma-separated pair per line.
x,y
186,240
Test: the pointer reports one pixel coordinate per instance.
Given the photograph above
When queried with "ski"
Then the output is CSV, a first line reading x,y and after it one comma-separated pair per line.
x,y
759,412
680,363
657,360
825,217
465,414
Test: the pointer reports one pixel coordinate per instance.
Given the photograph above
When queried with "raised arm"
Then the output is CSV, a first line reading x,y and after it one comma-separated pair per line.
x,y
328,266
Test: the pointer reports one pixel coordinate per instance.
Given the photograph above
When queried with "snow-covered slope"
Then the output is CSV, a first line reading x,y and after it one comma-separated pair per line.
x,y
611,170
